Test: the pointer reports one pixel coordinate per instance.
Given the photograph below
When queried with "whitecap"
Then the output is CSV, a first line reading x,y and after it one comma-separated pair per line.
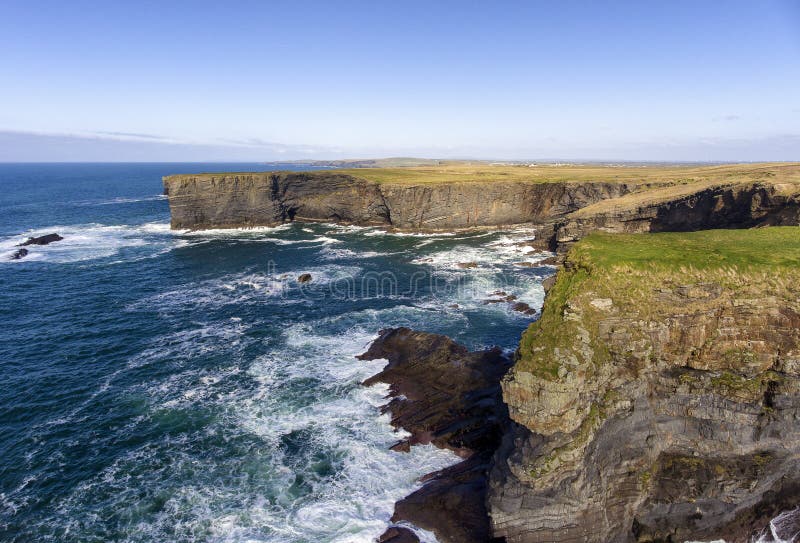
x,y
87,242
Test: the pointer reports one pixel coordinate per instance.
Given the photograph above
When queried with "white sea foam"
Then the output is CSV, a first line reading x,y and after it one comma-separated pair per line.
x,y
289,402
89,242
333,228
233,233
275,287
307,386
399,234
325,240
240,288
122,200
338,253
356,505
508,249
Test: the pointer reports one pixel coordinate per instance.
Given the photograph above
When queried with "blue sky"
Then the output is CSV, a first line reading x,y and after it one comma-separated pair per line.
x,y
678,80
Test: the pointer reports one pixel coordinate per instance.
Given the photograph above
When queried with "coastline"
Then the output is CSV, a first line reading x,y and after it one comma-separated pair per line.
x,y
532,487
497,475
444,395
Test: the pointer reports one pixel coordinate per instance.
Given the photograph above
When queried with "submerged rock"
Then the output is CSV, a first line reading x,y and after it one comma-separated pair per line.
x,y
304,278
467,265
21,253
41,240
522,307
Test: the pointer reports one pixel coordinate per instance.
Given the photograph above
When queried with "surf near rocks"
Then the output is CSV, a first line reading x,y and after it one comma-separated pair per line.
x,y
445,395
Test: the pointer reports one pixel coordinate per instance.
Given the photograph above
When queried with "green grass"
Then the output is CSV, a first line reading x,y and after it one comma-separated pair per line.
x,y
651,177
775,247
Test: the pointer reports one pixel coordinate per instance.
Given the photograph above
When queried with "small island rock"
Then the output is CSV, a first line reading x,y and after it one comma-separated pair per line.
x,y
41,240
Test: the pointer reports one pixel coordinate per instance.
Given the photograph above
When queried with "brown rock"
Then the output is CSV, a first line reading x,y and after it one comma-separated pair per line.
x,y
398,534
550,261
548,283
522,307
443,394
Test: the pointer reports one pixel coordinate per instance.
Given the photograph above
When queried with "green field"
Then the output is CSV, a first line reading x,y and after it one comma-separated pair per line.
x,y
758,248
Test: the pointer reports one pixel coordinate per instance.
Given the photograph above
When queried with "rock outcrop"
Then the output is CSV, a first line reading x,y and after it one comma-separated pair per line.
x,y
267,199
41,240
656,400
443,394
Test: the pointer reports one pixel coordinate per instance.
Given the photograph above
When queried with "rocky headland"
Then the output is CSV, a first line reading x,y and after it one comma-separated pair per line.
x,y
657,397
270,199
760,201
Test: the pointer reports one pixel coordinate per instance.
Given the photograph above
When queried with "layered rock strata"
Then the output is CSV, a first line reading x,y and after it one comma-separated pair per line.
x,y
655,403
267,199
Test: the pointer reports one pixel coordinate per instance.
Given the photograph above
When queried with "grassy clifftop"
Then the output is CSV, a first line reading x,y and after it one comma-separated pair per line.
x,y
458,172
652,175
776,249
653,276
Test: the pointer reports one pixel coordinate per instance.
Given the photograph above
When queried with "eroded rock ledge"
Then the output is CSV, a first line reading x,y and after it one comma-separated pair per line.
x,y
443,394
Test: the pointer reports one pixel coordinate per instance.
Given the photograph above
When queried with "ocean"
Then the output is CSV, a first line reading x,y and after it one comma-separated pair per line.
x,y
183,386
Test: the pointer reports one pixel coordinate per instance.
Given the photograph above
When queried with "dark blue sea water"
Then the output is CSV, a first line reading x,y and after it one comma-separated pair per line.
x,y
177,386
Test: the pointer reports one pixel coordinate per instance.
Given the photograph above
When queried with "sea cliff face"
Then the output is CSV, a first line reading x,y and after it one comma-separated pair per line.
x,y
657,398
268,199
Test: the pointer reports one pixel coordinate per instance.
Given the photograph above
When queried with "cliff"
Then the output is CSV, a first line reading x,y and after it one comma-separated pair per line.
x,y
657,397
465,196
268,199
